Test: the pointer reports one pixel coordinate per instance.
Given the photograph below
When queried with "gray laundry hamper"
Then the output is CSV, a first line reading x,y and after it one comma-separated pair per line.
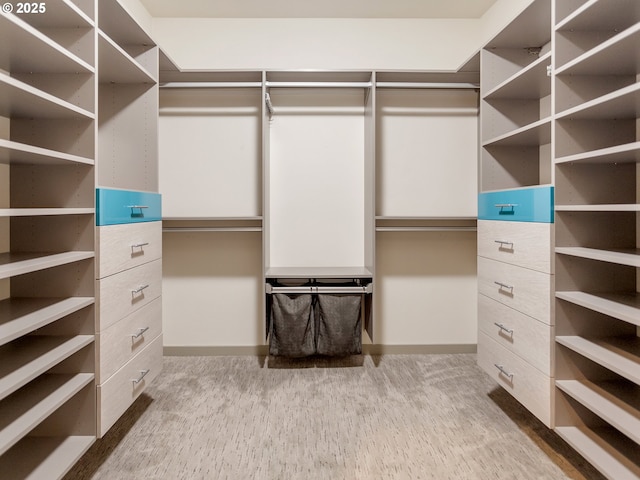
x,y
292,328
339,325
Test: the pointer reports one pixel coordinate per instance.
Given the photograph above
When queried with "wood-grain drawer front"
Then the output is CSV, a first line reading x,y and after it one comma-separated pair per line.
x,y
528,291
121,294
526,383
525,336
126,338
525,244
119,392
121,247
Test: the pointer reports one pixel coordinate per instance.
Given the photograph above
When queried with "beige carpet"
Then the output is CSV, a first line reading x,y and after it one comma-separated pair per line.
x,y
395,417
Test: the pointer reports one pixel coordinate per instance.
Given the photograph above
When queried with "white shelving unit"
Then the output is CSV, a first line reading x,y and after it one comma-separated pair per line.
x,y
515,156
596,155
47,152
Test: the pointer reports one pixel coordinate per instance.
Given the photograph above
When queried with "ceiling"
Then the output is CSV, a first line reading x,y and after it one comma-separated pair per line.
x,y
319,8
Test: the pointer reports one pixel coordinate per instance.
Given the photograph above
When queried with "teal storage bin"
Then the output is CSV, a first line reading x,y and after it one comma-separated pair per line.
x,y
115,207
531,204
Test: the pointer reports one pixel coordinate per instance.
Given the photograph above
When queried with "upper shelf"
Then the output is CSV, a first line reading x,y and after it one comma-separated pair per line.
x,y
629,257
12,264
116,22
117,66
530,82
625,307
58,14
532,28
618,55
597,15
24,49
17,99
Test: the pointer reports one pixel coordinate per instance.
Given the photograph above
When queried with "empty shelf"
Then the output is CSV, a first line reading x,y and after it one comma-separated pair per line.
x,y
597,15
530,82
25,359
61,14
618,354
44,458
620,104
618,207
626,153
25,49
33,212
20,153
614,402
19,316
629,257
12,264
318,272
117,66
604,450
537,133
624,307
17,99
25,409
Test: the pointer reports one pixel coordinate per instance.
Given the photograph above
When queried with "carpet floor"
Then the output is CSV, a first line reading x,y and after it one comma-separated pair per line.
x,y
392,417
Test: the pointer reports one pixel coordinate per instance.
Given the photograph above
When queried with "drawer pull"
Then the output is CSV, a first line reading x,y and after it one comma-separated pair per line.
x,y
505,205
504,285
143,373
506,208
136,210
140,332
139,245
503,243
503,328
139,289
503,371
137,206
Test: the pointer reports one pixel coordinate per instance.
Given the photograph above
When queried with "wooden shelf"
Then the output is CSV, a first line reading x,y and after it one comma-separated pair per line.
x,y
616,402
117,66
25,409
532,28
19,153
25,359
626,207
626,153
36,212
616,56
606,450
629,257
44,458
619,354
17,99
60,14
531,82
623,103
25,49
12,264
597,15
318,272
116,22
534,134
20,316
622,306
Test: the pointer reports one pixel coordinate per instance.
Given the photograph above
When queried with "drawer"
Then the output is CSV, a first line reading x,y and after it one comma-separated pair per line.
x,y
532,204
526,383
119,392
114,207
121,294
525,290
525,244
121,247
525,336
126,338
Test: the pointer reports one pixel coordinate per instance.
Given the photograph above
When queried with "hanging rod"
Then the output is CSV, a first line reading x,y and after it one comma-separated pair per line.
x,y
270,289
210,229
211,85
319,84
434,85
426,229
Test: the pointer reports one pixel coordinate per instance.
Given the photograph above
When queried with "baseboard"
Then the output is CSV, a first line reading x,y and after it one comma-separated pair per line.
x,y
263,350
